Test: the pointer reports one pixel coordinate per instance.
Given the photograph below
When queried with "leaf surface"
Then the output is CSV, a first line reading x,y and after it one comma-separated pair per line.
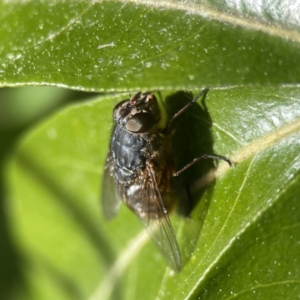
x,y
116,45
242,236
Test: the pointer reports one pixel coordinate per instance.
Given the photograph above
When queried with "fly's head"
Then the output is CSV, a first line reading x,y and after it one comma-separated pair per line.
x,y
140,114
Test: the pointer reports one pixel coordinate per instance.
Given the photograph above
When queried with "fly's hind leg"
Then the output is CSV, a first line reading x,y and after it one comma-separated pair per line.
x,y
204,156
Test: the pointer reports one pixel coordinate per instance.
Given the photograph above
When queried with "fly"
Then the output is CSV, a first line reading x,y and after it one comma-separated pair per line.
x,y
139,169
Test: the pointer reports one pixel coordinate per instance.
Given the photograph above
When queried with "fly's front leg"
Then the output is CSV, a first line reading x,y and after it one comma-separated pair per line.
x,y
187,106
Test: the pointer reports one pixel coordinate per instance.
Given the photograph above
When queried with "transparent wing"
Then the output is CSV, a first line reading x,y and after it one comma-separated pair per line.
x,y
148,205
110,198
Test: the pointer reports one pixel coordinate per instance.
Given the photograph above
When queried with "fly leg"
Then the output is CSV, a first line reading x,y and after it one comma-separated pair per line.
x,y
187,106
204,156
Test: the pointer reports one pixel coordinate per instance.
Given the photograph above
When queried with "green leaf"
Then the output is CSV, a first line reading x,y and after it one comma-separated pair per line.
x,y
117,45
241,239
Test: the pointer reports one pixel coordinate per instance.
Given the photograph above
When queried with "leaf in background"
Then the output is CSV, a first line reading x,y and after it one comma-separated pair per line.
x,y
21,106
248,242
117,45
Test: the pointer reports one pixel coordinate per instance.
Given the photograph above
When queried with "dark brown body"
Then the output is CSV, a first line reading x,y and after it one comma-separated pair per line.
x,y
139,171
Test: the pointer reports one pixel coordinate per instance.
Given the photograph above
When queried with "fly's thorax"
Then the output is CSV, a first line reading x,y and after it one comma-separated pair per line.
x,y
130,151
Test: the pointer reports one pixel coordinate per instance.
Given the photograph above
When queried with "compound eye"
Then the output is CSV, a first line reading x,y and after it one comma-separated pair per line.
x,y
140,122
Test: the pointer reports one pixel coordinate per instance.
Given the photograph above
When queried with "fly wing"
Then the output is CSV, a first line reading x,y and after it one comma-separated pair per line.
x,y
151,210
110,198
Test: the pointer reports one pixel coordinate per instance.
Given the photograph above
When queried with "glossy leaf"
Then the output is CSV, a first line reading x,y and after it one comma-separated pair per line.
x,y
241,239
117,45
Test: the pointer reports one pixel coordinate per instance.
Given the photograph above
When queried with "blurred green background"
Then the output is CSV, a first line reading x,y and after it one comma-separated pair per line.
x,y
21,109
